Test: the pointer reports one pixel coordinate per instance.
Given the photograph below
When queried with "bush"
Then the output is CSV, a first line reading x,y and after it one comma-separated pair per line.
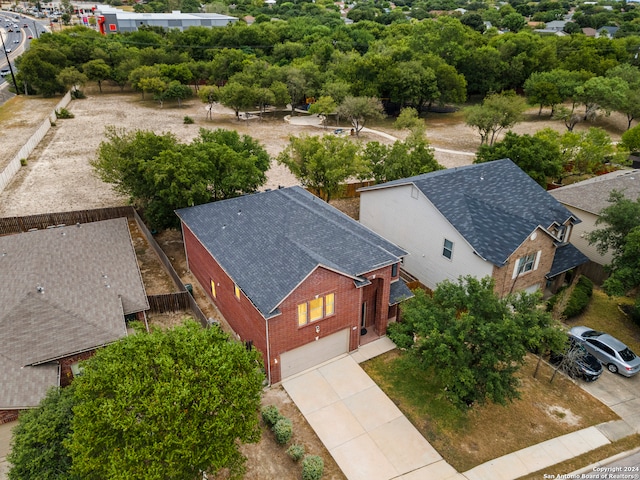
x,y
23,162
585,284
270,415
283,429
401,334
576,304
64,113
635,312
296,452
77,94
187,120
312,467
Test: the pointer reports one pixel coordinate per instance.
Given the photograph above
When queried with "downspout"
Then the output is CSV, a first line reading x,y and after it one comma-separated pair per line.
x,y
59,373
266,324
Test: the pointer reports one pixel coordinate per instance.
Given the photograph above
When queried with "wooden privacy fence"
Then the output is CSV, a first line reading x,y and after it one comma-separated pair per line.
x,y
169,302
173,301
11,225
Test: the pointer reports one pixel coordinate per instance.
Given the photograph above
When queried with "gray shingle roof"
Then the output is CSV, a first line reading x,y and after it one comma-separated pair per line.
x,y
65,290
399,292
591,195
567,257
270,242
493,205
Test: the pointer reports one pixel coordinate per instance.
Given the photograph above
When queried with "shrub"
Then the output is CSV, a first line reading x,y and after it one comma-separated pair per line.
x,y
578,301
283,429
187,120
77,94
635,312
270,415
312,467
585,284
296,452
64,113
23,162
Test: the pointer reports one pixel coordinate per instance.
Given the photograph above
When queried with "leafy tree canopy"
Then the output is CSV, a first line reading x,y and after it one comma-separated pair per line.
x,y
38,448
358,110
497,112
167,404
161,175
472,340
322,163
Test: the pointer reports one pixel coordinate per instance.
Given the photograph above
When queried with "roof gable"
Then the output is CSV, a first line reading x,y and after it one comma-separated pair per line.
x,y
493,205
269,242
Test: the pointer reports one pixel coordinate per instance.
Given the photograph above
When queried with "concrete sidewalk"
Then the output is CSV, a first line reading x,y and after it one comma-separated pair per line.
x,y
370,438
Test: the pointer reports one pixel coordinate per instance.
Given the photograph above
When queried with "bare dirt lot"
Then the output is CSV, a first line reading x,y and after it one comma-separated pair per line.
x,y
58,177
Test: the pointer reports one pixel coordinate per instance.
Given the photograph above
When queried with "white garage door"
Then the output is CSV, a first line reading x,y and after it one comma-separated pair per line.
x,y
314,353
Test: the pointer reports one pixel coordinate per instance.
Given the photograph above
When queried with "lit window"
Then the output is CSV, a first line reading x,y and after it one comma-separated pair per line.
x,y
316,309
328,304
447,249
237,291
302,314
213,288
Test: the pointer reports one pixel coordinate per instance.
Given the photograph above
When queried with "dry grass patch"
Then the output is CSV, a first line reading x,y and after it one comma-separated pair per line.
x,y
604,314
465,440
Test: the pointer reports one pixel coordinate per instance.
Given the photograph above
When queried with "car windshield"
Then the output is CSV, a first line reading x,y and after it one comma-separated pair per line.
x,y
591,333
627,355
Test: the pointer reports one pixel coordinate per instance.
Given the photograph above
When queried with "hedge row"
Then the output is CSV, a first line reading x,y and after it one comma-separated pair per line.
x,y
580,297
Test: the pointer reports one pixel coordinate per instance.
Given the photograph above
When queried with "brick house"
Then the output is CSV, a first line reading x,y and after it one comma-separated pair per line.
x,y
489,219
66,292
293,276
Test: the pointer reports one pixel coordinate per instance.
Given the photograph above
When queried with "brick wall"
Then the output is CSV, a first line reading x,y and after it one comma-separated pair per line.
x,y
503,276
242,316
66,376
7,416
284,332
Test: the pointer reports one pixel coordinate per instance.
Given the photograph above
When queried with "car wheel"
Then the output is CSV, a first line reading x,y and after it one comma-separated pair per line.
x,y
612,368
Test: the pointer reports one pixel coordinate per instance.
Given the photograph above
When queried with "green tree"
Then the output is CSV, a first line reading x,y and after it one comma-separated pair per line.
x,y
618,220
209,94
97,71
324,106
71,78
358,110
176,91
38,448
472,340
586,152
180,404
401,160
608,94
631,139
538,155
39,66
322,164
139,76
237,96
497,112
161,175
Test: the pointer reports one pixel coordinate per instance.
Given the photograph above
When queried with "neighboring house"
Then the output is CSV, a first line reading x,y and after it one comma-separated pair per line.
x,y
607,32
114,20
589,32
65,292
489,219
586,199
293,276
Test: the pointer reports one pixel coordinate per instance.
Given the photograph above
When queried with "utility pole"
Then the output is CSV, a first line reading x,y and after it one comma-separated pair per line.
x,y
4,48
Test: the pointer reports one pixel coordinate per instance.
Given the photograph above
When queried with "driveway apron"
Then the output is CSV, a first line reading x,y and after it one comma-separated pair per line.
x,y
367,435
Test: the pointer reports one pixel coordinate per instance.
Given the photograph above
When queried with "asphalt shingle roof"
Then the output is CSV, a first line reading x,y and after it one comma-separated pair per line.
x,y
64,290
567,257
493,205
592,195
270,242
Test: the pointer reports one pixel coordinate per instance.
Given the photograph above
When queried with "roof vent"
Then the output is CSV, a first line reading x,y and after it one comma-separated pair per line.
x,y
239,212
224,226
40,289
78,225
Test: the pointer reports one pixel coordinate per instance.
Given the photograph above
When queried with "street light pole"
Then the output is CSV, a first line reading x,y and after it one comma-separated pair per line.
x,y
13,77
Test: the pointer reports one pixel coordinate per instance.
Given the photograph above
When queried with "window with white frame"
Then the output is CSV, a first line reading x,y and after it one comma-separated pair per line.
x,y
447,249
526,264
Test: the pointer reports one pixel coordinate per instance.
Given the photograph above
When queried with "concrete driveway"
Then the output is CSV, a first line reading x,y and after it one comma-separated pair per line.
x,y
362,428
620,394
